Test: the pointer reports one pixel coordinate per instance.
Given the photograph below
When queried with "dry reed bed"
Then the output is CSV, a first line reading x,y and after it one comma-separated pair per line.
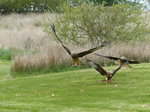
x,y
53,55
15,30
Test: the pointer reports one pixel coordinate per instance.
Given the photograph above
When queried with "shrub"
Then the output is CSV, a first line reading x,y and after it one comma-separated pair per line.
x,y
98,24
5,54
10,53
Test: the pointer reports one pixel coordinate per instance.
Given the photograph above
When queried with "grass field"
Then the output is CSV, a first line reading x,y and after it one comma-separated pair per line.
x,y
76,91
72,89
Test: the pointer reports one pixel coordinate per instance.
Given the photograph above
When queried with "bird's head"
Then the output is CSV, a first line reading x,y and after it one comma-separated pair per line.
x,y
73,52
122,58
106,79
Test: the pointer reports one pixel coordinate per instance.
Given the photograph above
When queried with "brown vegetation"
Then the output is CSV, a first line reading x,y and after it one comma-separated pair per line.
x,y
16,29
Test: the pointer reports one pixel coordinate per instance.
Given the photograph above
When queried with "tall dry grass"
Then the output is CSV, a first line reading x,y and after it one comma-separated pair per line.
x,y
51,56
16,29
55,56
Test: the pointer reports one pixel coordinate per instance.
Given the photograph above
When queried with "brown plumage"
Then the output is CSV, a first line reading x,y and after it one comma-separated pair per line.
x,y
120,60
75,56
103,72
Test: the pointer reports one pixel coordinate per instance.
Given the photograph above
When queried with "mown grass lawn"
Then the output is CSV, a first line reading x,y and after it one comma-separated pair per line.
x,y
76,91
4,69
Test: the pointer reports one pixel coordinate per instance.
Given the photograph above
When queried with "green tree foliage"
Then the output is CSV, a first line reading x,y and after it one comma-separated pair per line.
x,y
23,6
98,24
95,2
106,2
98,2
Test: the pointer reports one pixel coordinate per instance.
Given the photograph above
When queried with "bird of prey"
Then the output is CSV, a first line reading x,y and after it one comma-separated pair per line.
x,y
75,56
120,60
103,72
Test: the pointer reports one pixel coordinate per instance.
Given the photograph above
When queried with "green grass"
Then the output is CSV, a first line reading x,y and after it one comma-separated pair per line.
x,y
4,69
5,54
54,69
76,91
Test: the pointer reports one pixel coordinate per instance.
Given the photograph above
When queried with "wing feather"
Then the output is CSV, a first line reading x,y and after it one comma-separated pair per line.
x,y
97,67
81,54
66,48
110,57
133,61
118,68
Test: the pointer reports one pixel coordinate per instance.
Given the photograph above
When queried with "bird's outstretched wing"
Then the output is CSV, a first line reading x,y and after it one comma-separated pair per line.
x,y
118,68
53,28
110,57
117,58
81,54
133,61
66,48
97,67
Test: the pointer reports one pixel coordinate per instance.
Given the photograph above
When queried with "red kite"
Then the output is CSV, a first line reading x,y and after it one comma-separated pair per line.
x,y
102,71
120,60
75,56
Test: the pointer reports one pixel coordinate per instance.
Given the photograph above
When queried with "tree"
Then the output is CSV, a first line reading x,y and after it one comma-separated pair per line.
x,y
92,24
24,6
98,2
